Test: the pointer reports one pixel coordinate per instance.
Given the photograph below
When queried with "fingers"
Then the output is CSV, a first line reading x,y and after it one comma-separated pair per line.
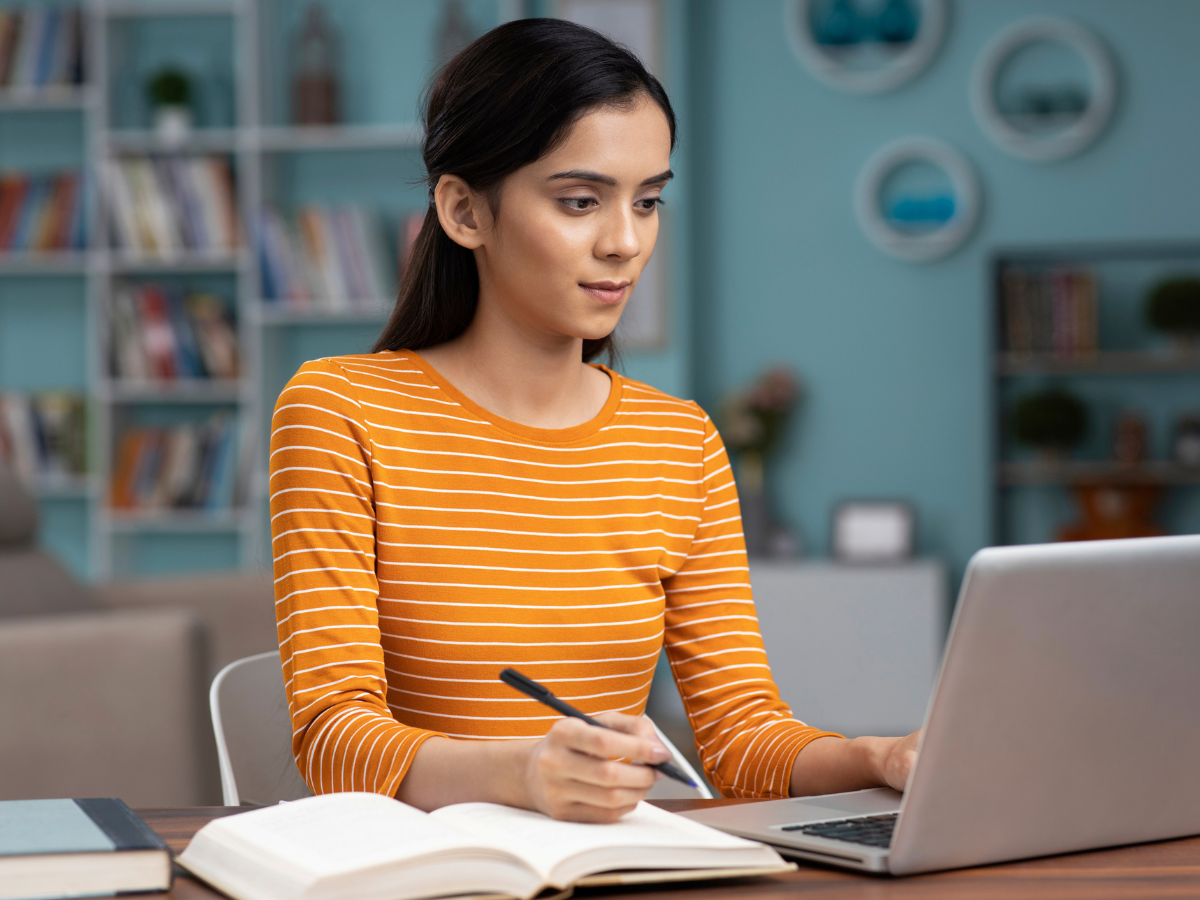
x,y
629,737
576,772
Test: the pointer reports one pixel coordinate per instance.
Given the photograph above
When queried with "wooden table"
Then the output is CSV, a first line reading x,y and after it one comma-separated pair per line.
x,y
1167,869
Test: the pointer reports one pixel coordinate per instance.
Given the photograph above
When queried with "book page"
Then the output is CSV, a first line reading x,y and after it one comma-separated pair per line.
x,y
547,844
340,833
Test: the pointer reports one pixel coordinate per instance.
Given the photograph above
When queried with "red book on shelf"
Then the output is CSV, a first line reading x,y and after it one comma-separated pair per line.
x,y
158,337
12,195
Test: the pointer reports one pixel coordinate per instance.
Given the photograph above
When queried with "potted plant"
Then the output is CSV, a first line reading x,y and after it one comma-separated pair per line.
x,y
1173,307
170,95
1051,421
752,422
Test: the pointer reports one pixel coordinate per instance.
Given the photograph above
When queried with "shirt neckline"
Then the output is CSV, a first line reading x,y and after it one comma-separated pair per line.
x,y
528,432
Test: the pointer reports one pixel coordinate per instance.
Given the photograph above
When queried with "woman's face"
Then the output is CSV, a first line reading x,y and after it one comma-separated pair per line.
x,y
574,229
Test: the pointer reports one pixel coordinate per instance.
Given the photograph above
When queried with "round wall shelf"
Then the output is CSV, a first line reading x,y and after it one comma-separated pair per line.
x,y
865,53
1058,123
918,228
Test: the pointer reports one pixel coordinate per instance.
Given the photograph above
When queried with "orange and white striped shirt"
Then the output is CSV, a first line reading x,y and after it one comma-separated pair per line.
x,y
422,544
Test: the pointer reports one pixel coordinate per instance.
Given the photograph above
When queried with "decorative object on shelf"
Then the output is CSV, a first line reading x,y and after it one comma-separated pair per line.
x,y
1110,511
42,213
43,436
752,422
1033,118
865,48
454,32
188,466
1173,308
170,94
866,531
316,86
917,225
331,258
41,49
158,334
1050,312
168,205
1185,446
634,23
1052,421
1129,438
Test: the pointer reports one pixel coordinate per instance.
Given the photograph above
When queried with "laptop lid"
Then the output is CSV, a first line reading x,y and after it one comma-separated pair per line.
x,y
1067,712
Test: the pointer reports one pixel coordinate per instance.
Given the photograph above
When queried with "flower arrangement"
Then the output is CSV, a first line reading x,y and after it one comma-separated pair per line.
x,y
753,419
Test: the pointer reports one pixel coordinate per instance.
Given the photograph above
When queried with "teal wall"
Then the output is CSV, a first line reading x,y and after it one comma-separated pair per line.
x,y
895,355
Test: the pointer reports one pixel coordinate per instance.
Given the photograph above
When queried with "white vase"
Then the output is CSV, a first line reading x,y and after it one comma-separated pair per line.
x,y
173,123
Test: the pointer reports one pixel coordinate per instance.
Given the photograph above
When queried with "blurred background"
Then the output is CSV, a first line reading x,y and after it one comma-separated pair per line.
x,y
932,265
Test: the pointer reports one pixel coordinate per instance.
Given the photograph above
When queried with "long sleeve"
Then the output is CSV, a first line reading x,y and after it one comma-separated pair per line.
x,y
323,530
746,736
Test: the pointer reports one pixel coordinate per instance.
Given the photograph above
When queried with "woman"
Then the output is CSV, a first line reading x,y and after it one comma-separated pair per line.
x,y
476,495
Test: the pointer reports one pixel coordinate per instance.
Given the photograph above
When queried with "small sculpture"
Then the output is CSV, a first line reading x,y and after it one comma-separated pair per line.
x,y
315,87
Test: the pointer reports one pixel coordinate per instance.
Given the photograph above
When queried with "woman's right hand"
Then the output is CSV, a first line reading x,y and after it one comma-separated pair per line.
x,y
576,771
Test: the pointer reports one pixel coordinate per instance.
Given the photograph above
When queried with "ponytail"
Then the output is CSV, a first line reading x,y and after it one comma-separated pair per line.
x,y
502,103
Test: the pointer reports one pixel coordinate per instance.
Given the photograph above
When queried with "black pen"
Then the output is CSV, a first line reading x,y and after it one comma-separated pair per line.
x,y
542,694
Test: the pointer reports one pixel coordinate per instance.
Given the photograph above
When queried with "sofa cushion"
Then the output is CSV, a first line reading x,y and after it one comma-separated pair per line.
x,y
34,584
18,511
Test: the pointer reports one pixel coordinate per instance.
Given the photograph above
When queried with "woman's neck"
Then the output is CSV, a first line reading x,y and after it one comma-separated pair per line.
x,y
537,383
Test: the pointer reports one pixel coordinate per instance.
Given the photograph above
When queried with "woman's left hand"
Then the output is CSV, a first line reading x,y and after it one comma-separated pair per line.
x,y
896,759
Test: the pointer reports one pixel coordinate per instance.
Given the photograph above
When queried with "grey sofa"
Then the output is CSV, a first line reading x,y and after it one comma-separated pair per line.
x,y
104,689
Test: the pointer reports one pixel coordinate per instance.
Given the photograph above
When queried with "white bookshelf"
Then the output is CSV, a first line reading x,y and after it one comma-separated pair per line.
x,y
256,147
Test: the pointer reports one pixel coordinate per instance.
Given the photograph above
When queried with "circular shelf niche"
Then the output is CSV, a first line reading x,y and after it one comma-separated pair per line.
x,y
899,61
924,245
1073,137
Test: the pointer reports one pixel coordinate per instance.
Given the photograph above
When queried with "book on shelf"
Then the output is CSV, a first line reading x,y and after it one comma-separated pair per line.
x,y
330,258
41,47
171,204
41,213
43,436
1050,312
188,466
373,847
78,848
162,334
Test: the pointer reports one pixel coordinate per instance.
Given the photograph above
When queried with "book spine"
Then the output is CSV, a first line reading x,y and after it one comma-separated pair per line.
x,y
26,55
122,825
18,419
188,353
10,30
12,198
126,231
30,213
45,57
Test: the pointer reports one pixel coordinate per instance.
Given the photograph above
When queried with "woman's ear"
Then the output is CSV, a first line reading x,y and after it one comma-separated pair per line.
x,y
460,210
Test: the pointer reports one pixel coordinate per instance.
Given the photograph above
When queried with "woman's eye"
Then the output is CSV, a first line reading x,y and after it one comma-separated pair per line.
x,y
580,203
649,203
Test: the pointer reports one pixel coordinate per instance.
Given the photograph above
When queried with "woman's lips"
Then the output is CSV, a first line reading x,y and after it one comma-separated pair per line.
x,y
610,292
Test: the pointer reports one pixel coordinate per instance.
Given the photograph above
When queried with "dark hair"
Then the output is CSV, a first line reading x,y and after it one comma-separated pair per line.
x,y
503,102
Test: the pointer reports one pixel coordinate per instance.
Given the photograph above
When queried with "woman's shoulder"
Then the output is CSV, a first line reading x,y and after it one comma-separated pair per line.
x,y
655,406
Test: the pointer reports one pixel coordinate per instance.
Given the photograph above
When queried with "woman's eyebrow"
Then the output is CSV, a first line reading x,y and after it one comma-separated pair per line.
x,y
585,175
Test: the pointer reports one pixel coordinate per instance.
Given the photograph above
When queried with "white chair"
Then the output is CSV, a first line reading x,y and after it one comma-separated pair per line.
x,y
254,733
254,738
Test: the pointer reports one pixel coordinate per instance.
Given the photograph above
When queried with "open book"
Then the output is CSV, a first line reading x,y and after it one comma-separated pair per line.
x,y
374,848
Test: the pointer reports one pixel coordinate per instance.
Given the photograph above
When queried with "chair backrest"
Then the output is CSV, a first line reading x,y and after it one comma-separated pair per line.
x,y
254,738
669,788
254,733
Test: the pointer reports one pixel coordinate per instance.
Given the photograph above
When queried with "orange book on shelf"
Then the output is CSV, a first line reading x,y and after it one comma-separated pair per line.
x,y
42,237
128,453
66,199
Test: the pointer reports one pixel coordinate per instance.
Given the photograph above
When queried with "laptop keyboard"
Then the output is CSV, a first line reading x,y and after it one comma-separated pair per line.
x,y
874,831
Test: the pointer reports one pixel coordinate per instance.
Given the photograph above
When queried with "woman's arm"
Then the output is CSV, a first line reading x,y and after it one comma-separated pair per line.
x,y
572,773
323,539
749,741
829,765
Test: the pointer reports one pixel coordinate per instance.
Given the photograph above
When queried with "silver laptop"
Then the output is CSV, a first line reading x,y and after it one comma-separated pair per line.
x,y
1066,717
